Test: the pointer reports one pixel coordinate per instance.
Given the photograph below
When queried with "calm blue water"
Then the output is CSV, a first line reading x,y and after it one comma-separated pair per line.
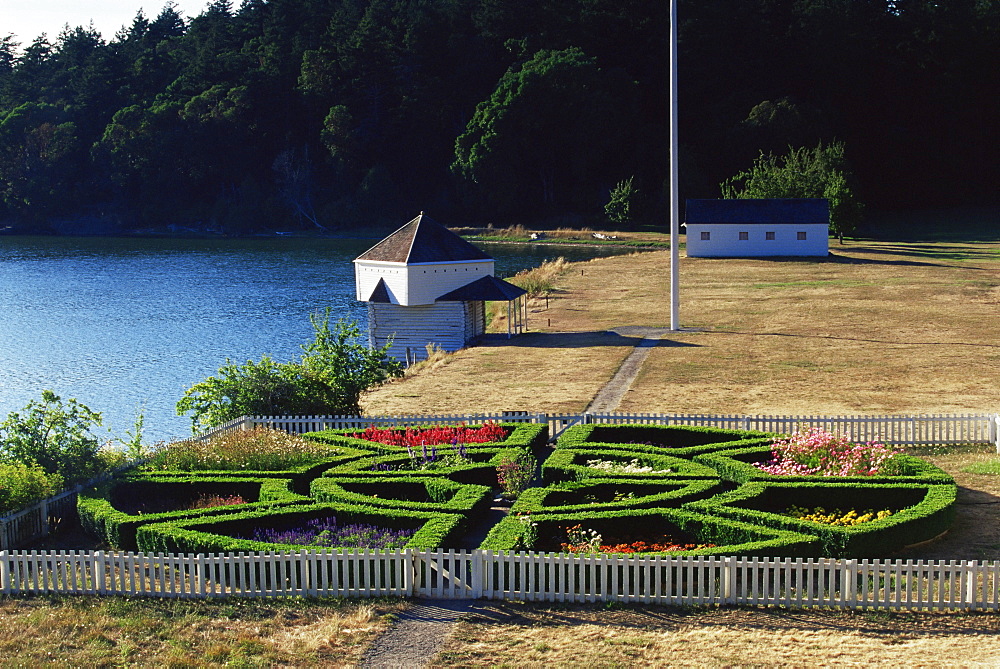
x,y
124,325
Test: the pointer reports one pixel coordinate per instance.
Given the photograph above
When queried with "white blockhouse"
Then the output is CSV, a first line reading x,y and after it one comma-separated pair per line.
x,y
752,228
426,285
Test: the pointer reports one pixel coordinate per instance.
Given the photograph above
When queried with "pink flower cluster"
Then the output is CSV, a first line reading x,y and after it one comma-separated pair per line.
x,y
818,452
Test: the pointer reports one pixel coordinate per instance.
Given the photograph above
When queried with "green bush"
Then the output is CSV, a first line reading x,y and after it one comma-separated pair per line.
x,y
335,370
221,534
56,436
22,485
101,516
920,512
421,493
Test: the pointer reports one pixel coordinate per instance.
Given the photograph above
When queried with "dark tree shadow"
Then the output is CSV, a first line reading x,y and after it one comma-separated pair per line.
x,y
573,340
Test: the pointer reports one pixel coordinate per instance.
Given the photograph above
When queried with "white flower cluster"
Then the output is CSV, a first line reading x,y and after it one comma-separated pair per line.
x,y
632,467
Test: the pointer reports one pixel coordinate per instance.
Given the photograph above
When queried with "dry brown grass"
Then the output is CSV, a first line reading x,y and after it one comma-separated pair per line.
x,y
91,632
527,635
878,327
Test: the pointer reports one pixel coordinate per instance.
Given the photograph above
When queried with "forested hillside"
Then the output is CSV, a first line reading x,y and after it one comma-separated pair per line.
x,y
342,114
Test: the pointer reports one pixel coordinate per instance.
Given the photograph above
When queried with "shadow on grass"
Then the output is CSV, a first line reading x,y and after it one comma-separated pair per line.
x,y
574,340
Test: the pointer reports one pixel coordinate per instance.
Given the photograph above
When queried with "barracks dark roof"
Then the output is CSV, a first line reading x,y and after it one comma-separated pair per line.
x,y
758,211
423,240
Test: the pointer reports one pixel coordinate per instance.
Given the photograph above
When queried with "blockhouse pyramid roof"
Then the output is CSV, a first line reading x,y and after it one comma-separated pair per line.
x,y
423,240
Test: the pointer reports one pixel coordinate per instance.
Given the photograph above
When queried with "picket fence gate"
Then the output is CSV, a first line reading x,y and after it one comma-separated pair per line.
x,y
687,580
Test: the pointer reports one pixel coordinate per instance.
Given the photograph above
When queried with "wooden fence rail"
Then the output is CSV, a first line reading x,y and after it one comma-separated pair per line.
x,y
782,582
891,430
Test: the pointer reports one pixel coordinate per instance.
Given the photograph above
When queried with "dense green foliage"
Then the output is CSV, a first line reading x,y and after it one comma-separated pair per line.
x,y
821,172
22,485
333,373
328,114
56,436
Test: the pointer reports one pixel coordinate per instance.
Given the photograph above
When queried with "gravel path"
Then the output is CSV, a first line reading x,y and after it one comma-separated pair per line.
x,y
422,630
610,396
418,634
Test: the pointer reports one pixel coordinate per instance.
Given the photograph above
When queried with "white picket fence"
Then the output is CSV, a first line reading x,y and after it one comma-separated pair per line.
x,y
784,582
890,430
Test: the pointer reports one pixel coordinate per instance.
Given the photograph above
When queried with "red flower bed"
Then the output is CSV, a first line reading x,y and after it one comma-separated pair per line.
x,y
430,436
666,546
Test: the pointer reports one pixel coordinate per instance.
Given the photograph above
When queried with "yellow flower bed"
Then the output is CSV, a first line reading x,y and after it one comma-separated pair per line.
x,y
836,516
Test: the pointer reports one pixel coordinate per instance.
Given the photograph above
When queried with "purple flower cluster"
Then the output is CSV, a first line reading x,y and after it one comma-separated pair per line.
x,y
325,533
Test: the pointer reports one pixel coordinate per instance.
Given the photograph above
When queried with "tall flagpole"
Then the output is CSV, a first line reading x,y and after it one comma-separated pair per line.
x,y
674,196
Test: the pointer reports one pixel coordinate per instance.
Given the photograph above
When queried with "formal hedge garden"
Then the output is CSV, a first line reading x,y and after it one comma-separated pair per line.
x,y
617,489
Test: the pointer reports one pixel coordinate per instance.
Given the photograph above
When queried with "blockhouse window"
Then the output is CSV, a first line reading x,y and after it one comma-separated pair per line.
x,y
800,236
705,236
769,235
744,236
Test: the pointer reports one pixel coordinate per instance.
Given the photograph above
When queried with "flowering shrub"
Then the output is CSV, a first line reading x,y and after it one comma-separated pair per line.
x,y
205,501
416,438
579,540
631,467
836,517
529,532
261,449
514,473
818,452
325,533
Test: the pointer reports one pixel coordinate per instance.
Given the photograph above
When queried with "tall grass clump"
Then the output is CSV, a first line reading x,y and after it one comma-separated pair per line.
x,y
542,279
259,449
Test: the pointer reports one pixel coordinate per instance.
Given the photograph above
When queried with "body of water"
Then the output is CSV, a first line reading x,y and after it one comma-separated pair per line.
x,y
127,324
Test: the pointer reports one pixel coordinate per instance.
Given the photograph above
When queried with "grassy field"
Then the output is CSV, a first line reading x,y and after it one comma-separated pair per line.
x,y
876,327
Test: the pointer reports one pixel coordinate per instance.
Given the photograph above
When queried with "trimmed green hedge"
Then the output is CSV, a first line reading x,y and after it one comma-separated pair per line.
x,y
920,512
729,536
422,493
570,496
568,464
737,465
221,534
100,518
679,440
479,470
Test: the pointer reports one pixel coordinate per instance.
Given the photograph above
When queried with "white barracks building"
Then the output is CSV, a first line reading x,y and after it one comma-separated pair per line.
x,y
749,228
